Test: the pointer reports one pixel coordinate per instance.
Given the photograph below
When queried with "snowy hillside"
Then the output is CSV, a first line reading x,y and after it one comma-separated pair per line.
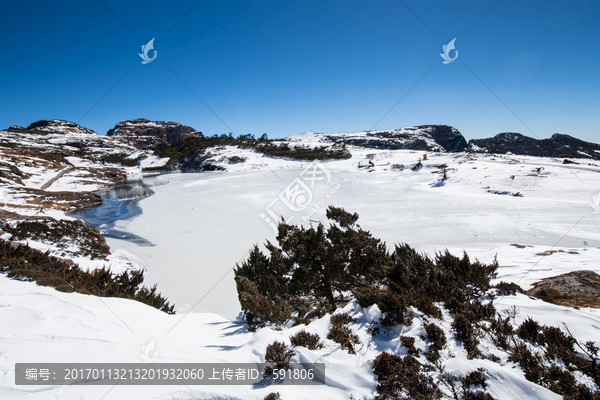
x,y
538,216
427,137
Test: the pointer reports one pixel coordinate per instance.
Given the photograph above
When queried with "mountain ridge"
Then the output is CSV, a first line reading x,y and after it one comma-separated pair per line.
x,y
147,134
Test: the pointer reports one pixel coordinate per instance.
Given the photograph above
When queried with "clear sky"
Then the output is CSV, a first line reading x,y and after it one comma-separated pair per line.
x,y
287,66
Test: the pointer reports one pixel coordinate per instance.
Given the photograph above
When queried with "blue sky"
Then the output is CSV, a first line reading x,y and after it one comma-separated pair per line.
x,y
283,67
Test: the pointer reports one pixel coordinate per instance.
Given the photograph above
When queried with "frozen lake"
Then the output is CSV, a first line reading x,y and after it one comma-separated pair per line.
x,y
120,202
203,224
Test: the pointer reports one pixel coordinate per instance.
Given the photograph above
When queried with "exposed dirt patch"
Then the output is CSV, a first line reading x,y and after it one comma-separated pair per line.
x,y
550,252
520,246
574,289
65,201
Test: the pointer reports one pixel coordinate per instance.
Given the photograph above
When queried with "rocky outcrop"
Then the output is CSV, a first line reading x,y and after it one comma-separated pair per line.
x,y
446,136
58,126
556,146
147,134
424,137
574,289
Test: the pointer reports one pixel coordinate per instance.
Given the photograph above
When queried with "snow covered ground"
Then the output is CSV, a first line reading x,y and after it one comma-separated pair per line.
x,y
48,326
203,224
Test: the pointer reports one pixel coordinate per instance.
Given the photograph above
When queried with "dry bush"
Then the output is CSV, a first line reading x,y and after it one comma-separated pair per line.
x,y
311,341
343,335
278,355
402,378
24,263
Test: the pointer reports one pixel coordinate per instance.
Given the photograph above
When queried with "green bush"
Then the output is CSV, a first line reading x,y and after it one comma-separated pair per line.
x,y
310,271
193,153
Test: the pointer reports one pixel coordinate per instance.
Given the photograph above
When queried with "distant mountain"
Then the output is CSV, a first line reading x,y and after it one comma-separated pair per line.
x,y
147,134
556,146
424,137
57,126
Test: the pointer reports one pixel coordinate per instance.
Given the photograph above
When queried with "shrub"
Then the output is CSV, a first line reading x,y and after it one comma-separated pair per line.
x,y
465,331
236,159
309,270
120,158
341,319
501,330
477,395
24,263
558,344
63,234
559,381
476,378
409,343
415,280
278,356
273,396
344,336
417,166
438,340
529,330
465,388
532,365
311,341
582,392
304,153
402,377
193,153
508,288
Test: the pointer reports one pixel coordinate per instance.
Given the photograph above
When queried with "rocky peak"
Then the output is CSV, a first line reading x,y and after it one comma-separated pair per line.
x,y
446,136
558,145
145,133
423,137
59,126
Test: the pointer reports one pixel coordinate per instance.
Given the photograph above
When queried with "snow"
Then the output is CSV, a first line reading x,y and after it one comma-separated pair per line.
x,y
203,224
50,326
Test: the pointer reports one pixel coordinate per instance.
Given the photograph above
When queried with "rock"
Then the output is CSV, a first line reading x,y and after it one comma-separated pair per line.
x,y
573,289
59,126
556,146
424,137
147,134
